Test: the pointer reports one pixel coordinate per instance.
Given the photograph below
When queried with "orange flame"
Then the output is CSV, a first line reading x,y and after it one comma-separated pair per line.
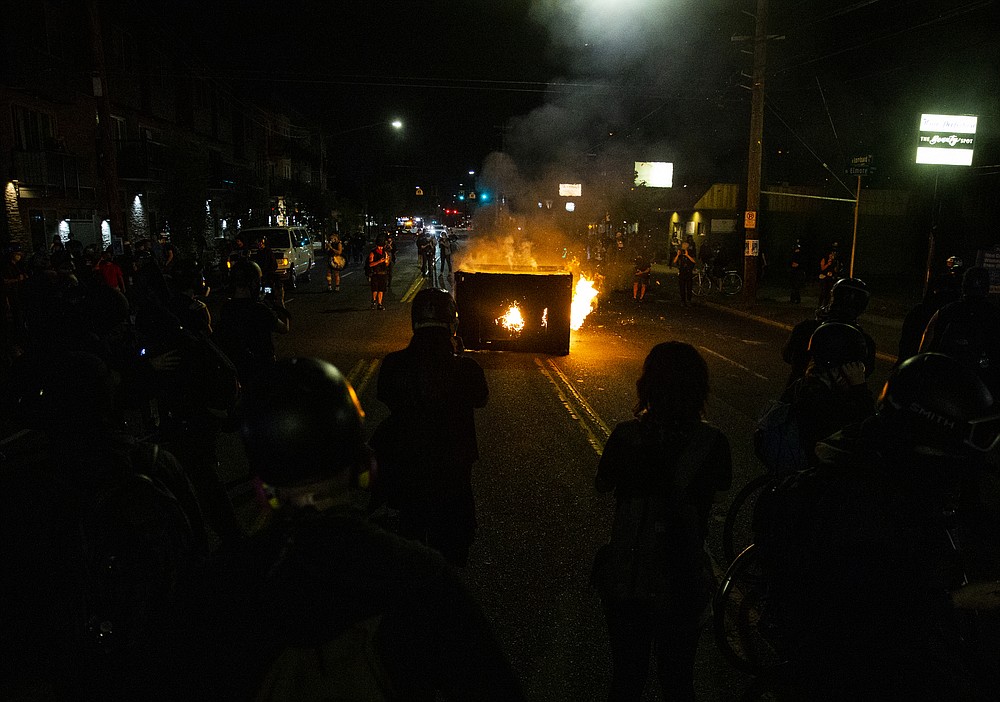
x,y
512,319
584,301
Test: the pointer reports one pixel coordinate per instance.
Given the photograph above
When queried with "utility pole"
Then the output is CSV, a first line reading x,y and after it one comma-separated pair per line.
x,y
750,218
107,156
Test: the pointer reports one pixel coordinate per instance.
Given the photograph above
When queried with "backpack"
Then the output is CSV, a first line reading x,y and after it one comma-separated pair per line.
x,y
135,539
97,592
655,537
776,439
963,338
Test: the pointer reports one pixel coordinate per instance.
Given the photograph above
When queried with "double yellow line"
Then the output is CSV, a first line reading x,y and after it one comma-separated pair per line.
x,y
361,374
593,427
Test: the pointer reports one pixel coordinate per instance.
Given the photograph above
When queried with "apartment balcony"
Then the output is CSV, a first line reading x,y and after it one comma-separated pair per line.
x,y
52,174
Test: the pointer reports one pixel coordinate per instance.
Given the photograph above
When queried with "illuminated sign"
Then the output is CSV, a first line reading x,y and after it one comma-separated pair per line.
x,y
654,174
946,139
570,189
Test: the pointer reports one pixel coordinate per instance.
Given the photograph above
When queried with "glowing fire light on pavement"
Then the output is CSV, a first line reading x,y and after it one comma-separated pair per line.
x,y
584,301
512,319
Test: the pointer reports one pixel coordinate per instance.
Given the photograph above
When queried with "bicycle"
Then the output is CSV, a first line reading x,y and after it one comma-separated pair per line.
x,y
729,284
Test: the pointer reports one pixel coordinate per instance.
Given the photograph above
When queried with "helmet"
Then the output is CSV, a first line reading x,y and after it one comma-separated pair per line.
x,y
302,423
246,274
953,263
433,307
849,298
976,282
835,344
941,405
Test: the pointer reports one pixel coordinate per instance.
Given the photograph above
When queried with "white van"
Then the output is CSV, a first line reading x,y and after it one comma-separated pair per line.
x,y
292,247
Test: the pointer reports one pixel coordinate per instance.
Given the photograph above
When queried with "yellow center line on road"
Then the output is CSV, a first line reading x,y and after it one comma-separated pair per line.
x,y
568,400
415,287
361,375
729,360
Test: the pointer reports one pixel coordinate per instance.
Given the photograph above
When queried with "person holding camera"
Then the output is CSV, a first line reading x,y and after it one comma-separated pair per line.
x,y
247,321
335,262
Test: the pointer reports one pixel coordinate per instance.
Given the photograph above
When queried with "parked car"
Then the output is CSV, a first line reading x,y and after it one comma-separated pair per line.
x,y
292,247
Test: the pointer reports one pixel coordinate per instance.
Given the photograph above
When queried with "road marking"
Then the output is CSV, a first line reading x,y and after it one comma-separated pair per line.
x,y
729,360
361,375
573,401
415,287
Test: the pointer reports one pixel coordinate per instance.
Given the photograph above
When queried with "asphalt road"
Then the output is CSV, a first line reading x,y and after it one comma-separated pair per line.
x,y
540,437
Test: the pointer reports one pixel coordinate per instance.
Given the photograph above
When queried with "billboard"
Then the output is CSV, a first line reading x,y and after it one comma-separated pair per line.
x,y
570,189
654,174
946,139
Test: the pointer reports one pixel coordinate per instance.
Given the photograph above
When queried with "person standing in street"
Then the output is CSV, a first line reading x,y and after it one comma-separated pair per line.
x,y
640,280
828,267
444,249
666,468
685,272
427,445
796,273
335,262
378,273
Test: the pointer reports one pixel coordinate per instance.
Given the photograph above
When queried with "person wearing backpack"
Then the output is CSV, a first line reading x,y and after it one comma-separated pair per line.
x,y
969,329
322,604
834,391
666,467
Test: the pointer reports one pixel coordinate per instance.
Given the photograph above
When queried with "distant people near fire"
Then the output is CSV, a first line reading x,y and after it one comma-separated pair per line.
x,y
427,445
640,281
685,272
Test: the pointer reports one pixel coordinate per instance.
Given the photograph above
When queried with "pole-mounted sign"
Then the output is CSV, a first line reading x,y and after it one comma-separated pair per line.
x,y
946,140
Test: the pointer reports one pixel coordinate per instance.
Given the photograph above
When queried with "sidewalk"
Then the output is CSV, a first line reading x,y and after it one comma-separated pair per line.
x,y
891,300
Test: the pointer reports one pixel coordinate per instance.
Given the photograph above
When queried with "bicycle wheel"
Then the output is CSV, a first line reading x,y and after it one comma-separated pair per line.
x,y
701,285
731,284
736,530
736,617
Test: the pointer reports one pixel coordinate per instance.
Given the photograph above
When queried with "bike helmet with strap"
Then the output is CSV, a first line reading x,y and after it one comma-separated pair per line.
x,y
433,307
835,344
940,406
848,299
302,423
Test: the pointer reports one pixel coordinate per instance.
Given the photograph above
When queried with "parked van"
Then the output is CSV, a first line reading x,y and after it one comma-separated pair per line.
x,y
292,247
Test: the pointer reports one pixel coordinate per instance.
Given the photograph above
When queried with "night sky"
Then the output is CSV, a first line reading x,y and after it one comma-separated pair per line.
x,y
555,83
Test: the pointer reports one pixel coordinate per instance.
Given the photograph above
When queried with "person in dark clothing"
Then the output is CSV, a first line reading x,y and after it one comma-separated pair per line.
x,y
870,609
829,273
427,445
796,274
246,324
849,299
640,279
833,393
969,329
685,272
643,457
321,603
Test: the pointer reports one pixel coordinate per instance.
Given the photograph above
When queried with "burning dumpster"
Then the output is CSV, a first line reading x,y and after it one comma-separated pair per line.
x,y
506,309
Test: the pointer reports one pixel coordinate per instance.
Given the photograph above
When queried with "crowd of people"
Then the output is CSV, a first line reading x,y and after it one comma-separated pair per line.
x,y
121,378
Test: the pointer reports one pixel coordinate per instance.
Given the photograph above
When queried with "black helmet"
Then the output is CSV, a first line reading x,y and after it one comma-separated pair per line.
x,y
302,423
835,344
976,282
941,405
433,307
848,298
246,274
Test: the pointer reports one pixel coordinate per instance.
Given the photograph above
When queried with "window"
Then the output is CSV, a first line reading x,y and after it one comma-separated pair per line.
x,y
118,128
32,129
